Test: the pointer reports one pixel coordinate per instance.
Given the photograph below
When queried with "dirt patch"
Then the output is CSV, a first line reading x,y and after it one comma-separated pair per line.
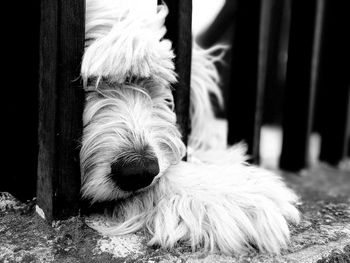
x,y
337,256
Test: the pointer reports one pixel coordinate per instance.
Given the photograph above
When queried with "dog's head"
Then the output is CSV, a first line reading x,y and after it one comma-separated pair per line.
x,y
130,135
130,138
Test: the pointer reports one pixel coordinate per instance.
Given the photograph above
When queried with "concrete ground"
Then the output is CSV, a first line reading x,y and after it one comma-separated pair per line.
x,y
323,235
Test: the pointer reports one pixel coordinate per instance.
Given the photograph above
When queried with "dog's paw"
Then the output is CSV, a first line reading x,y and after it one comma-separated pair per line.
x,y
272,209
229,209
271,222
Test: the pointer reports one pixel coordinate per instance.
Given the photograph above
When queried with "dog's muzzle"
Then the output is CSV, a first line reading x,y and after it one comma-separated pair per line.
x,y
134,175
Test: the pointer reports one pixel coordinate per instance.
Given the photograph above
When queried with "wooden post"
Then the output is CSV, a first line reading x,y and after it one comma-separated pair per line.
x,y
178,24
334,84
245,94
60,107
302,69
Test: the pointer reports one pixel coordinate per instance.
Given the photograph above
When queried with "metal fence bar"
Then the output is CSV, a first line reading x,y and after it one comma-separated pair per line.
x,y
245,94
300,91
178,24
276,62
60,107
334,82
266,34
244,71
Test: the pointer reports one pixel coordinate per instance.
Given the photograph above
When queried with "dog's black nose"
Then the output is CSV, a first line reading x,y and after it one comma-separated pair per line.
x,y
134,175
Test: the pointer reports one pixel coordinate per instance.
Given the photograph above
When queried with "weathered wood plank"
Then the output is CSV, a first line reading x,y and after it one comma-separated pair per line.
x,y
60,107
302,69
178,24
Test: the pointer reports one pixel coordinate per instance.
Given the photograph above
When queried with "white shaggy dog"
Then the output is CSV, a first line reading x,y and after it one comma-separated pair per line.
x,y
132,149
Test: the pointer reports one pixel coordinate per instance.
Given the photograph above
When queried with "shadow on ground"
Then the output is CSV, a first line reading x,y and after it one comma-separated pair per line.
x,y
323,235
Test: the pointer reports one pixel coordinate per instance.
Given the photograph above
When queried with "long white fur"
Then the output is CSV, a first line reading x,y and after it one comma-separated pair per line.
x,y
225,208
148,119
205,80
123,44
219,203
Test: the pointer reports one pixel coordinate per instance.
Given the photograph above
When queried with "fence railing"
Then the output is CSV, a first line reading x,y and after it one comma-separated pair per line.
x,y
314,80
317,86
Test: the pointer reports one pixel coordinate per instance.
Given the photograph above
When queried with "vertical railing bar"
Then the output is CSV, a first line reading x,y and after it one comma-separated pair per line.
x,y
61,101
299,94
315,64
242,93
47,107
334,83
264,37
178,24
